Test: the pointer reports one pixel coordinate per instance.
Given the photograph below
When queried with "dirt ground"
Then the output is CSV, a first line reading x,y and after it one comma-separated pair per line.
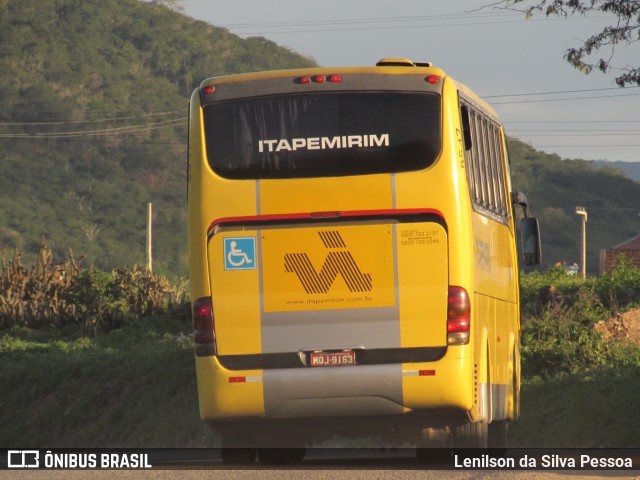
x,y
624,327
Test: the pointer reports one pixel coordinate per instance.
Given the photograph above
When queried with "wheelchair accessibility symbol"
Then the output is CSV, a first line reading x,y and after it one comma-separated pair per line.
x,y
240,253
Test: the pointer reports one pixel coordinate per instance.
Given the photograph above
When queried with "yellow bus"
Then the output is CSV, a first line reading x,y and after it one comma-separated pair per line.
x,y
353,260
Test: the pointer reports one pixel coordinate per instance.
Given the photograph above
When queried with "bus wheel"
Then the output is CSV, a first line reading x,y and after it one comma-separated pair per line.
x,y
280,456
238,456
433,445
498,437
471,435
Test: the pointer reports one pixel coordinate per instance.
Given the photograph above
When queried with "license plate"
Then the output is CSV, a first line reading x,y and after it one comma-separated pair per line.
x,y
332,359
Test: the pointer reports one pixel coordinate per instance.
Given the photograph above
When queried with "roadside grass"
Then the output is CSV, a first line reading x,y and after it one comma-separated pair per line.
x,y
131,387
595,409
135,387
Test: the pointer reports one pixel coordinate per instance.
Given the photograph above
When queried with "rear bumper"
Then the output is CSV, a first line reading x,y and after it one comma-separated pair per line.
x,y
344,391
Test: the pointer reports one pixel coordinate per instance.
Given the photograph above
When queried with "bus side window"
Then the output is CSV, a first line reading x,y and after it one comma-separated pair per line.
x,y
466,129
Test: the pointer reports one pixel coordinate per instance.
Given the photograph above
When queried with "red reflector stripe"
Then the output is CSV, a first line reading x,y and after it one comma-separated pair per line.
x,y
302,216
419,373
237,379
325,214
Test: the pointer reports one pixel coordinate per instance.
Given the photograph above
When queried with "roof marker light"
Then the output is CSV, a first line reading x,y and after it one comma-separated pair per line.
x,y
432,79
303,80
319,78
208,89
334,78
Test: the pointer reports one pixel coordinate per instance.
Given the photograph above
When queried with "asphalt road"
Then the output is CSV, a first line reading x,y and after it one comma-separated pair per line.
x,y
312,474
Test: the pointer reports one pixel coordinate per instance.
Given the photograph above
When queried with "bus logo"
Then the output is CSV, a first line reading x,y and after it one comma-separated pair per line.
x,y
339,261
240,253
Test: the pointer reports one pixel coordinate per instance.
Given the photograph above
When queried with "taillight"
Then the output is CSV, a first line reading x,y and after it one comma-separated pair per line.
x,y
458,316
204,335
333,78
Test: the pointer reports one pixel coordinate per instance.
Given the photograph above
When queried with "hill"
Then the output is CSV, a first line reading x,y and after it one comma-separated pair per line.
x,y
630,169
93,108
555,187
93,99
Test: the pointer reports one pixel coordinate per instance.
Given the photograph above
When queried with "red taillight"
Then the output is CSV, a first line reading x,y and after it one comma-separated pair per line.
x,y
432,79
203,327
458,316
208,89
333,78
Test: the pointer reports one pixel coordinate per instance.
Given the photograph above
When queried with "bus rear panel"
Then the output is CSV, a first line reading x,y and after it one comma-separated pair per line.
x,y
333,257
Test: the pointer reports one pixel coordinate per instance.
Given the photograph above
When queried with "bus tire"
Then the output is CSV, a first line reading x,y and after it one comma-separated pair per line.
x,y
238,456
281,456
433,445
471,435
498,435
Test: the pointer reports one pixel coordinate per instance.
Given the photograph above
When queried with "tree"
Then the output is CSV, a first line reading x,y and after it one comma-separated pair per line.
x,y
625,30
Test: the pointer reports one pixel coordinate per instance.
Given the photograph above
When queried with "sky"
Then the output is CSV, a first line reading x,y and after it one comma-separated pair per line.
x,y
515,64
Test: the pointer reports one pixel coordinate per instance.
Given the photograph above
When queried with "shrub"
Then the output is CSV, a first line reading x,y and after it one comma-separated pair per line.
x,y
34,297
49,294
620,288
147,293
559,312
97,300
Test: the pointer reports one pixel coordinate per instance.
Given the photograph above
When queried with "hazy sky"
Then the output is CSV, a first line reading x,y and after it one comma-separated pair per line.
x,y
499,54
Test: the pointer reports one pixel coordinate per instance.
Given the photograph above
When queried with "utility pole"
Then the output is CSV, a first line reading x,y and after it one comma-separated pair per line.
x,y
582,212
149,237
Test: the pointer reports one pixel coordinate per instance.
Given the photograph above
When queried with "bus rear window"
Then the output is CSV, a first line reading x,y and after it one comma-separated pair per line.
x,y
323,134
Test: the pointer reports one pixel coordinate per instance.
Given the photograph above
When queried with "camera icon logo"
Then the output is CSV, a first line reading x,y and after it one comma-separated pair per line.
x,y
23,459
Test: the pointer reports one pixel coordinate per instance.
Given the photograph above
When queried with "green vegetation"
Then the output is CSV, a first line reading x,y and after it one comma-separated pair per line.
x,y
96,359
48,295
131,387
128,380
580,388
93,114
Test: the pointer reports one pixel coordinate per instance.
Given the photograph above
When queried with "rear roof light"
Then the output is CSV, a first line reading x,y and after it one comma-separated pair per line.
x,y
432,79
319,78
207,89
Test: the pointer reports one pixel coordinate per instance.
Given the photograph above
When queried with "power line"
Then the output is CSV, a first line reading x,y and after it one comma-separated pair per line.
x,y
107,131
313,23
566,99
99,120
418,18
529,94
569,122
